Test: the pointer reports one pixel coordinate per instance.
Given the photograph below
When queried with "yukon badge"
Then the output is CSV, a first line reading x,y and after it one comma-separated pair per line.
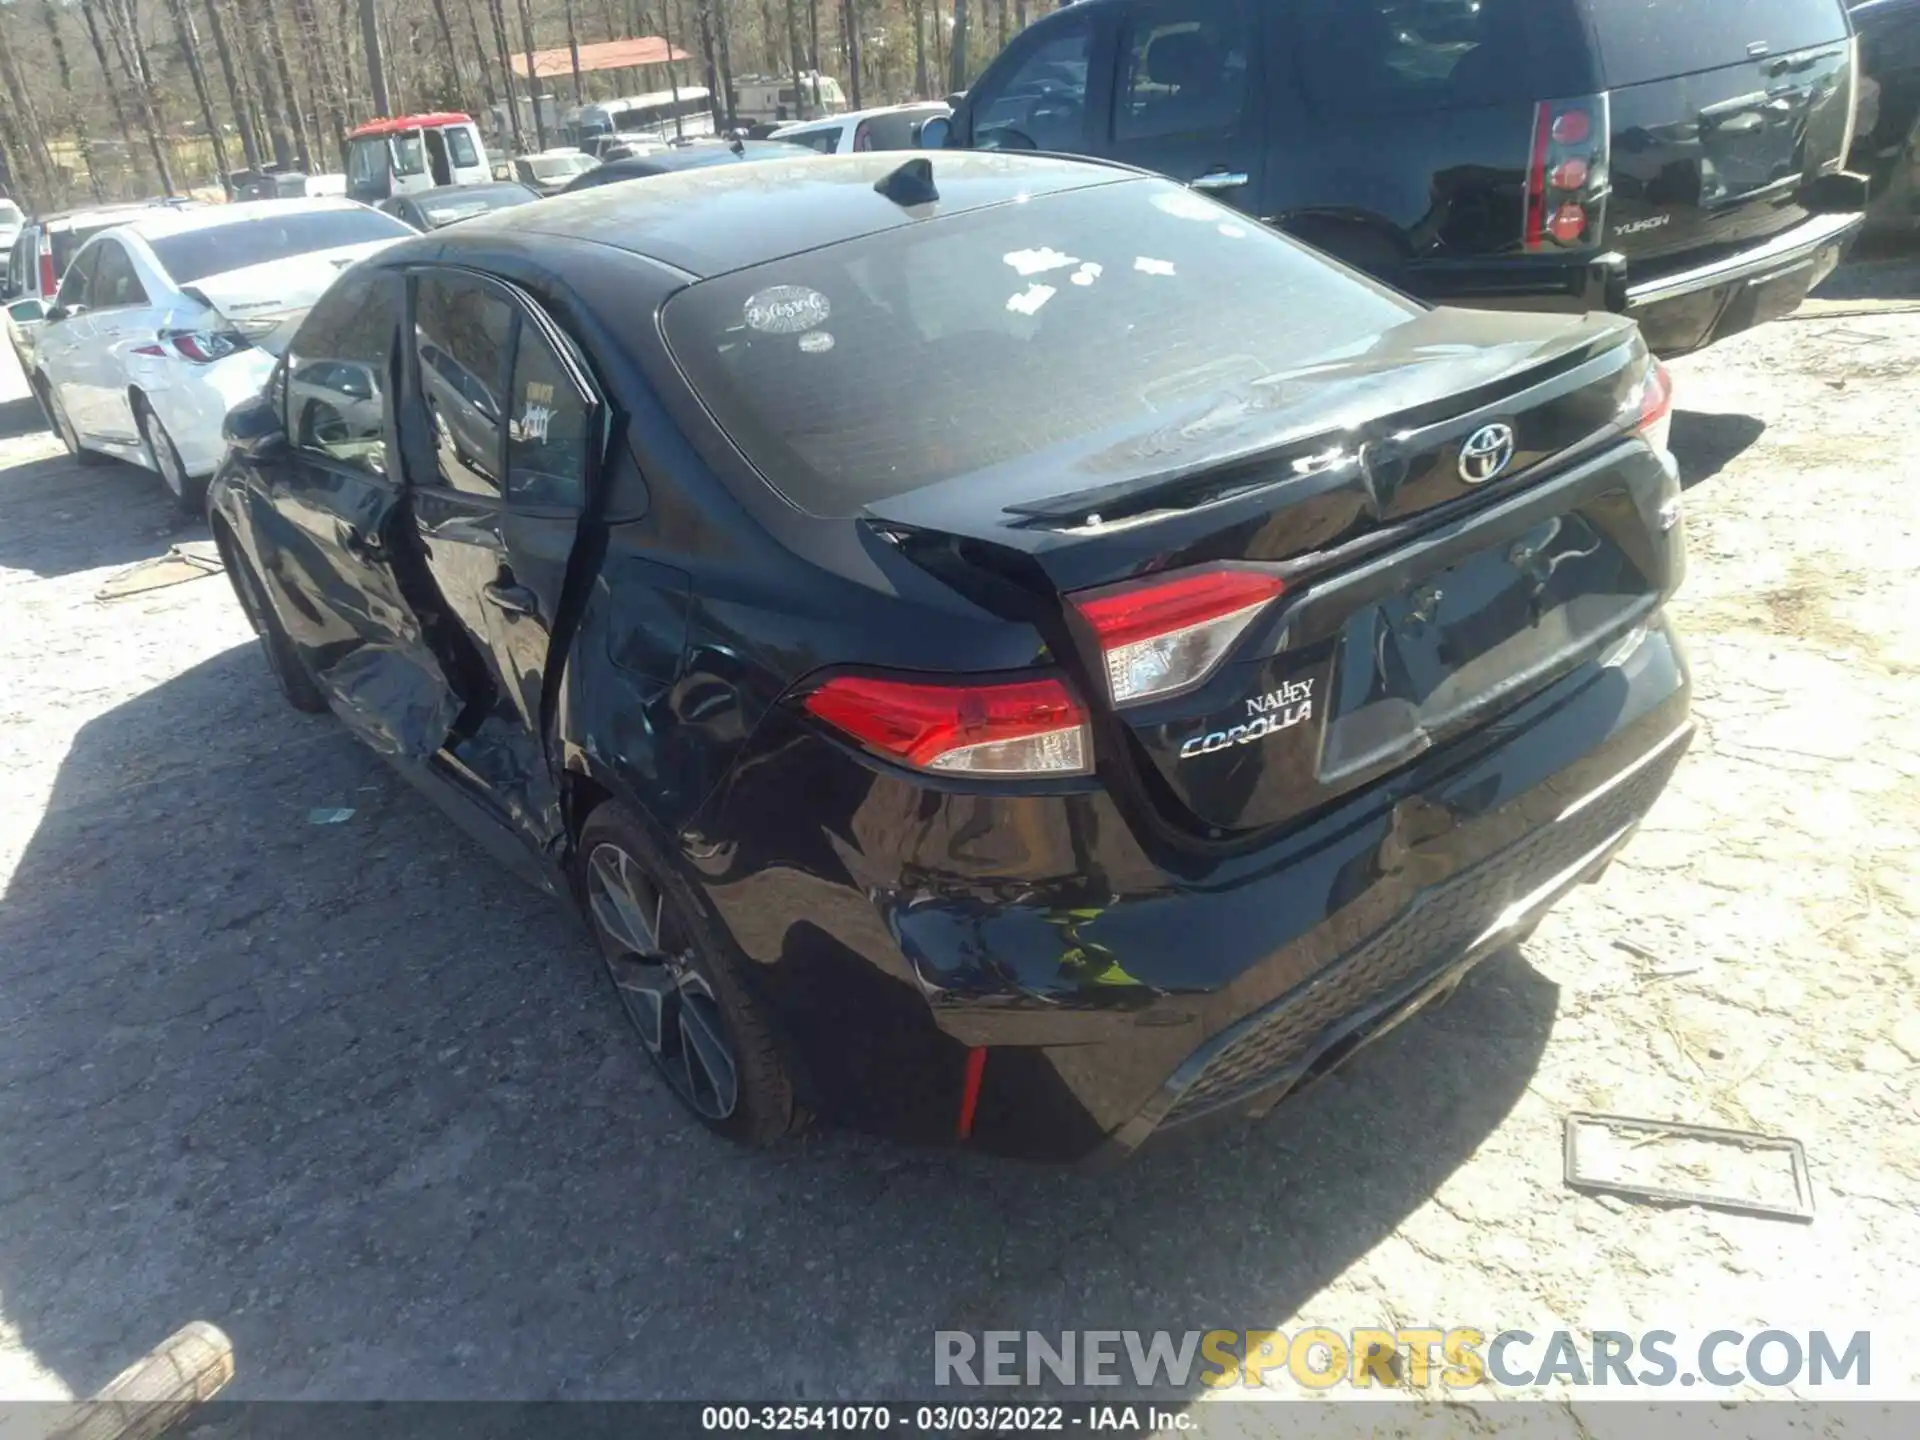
x,y
1269,714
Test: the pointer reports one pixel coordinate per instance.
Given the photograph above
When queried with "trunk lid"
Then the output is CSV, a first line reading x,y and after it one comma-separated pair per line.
x,y
1417,602
1719,115
266,303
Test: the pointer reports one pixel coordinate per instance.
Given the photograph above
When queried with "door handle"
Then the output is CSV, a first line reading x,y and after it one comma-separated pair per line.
x,y
514,599
1221,180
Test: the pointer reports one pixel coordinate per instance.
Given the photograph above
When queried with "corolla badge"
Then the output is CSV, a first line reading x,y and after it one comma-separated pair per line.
x,y
1282,709
1488,452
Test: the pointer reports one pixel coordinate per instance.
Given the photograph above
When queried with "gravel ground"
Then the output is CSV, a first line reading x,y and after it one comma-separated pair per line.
x,y
353,1094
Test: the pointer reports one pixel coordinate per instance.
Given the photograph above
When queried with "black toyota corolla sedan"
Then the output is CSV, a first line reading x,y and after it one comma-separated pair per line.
x,y
1003,650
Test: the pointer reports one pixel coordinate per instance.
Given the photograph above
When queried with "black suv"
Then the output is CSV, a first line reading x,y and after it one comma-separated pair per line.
x,y
1666,157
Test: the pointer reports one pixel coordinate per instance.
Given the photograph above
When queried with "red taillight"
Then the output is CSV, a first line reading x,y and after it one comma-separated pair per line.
x,y
1656,405
1566,173
1570,175
1572,127
1163,636
1022,727
1568,224
203,347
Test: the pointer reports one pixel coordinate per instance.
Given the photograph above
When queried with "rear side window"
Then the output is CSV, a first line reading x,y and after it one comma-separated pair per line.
x,y
1185,70
195,254
337,371
460,147
547,433
1413,56
74,285
1067,332
114,283
1643,40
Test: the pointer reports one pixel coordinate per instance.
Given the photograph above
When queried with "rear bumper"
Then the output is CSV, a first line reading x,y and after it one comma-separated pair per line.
x,y
1118,995
1691,308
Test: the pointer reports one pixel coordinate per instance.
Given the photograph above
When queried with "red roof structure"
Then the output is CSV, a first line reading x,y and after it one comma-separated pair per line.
x,y
409,122
606,55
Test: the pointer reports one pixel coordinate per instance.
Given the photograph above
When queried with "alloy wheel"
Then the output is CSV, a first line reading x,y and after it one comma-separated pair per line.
x,y
669,1001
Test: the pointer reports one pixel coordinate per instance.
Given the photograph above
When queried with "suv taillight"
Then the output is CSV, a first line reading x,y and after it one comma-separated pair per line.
x,y
993,729
49,282
1162,636
1567,174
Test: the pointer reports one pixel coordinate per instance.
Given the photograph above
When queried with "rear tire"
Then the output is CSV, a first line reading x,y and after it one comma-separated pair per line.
x,y
58,422
677,980
290,673
189,493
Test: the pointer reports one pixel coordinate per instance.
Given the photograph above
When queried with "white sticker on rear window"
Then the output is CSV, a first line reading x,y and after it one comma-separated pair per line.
x,y
786,309
1087,273
1147,265
1029,301
816,342
1038,262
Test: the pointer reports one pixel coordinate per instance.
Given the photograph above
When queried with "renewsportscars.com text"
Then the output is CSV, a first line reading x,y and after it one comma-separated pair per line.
x,y
1458,1359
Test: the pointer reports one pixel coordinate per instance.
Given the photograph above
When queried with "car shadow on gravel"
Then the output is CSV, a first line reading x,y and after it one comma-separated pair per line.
x,y
1705,444
22,416
57,517
351,1093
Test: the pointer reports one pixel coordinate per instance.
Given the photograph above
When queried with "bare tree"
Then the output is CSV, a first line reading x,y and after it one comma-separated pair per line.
x,y
573,49
116,89
850,35
480,50
920,49
243,112
496,12
957,76
533,77
26,117
188,35
72,116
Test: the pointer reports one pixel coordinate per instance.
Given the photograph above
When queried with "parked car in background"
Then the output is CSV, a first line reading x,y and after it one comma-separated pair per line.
x,y
1887,143
1680,160
890,127
549,173
283,185
675,159
773,100
12,218
40,255
432,209
169,319
1004,570
414,152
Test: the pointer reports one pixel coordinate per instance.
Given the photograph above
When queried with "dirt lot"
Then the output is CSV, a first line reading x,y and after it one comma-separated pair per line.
x,y
353,1094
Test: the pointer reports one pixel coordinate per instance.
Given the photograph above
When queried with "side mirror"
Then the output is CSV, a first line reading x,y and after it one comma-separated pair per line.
x,y
56,313
254,428
28,312
935,133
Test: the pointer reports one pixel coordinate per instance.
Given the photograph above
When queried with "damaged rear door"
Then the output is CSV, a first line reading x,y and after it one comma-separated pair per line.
x,y
333,533
500,425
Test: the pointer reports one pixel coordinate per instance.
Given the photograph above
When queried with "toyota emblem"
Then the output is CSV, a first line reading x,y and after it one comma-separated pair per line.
x,y
1488,452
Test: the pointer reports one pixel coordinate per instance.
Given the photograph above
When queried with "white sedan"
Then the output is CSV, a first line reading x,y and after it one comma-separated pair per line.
x,y
165,323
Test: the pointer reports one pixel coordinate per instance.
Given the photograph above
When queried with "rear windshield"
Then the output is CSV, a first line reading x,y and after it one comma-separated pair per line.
x,y
217,249
871,368
1415,56
474,202
1643,40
